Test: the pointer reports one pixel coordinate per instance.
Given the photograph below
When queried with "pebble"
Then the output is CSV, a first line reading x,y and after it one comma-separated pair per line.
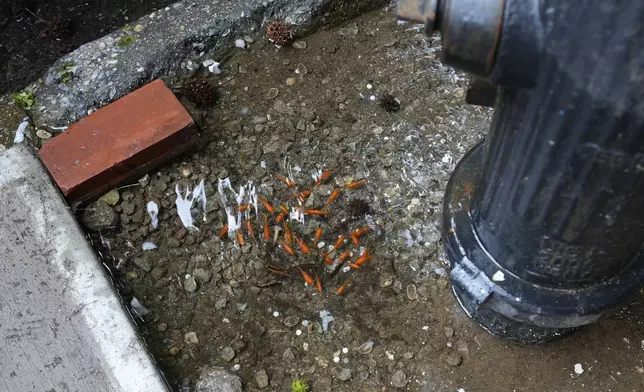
x,y
301,69
138,28
291,81
137,217
190,284
173,243
42,134
173,351
227,353
399,379
344,374
288,355
102,46
111,198
221,303
386,281
191,338
299,44
202,275
449,332
144,264
397,287
238,269
158,273
291,321
366,347
272,93
412,293
181,233
261,378
462,348
579,369
162,327
453,359
345,350
408,355
100,217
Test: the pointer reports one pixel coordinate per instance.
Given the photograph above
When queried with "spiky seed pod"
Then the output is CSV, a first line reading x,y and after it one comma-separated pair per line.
x,y
200,91
279,33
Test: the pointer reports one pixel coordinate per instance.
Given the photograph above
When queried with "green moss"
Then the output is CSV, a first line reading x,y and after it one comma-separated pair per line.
x,y
67,72
299,385
125,41
25,99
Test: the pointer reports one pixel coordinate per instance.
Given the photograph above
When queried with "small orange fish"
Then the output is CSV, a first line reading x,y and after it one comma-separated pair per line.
x,y
341,289
303,247
316,212
355,240
344,255
287,233
318,234
307,277
364,257
304,195
339,242
243,208
334,195
280,217
326,174
283,209
268,207
327,259
224,231
240,238
355,184
249,226
276,271
287,248
361,232
318,284
353,265
267,234
287,181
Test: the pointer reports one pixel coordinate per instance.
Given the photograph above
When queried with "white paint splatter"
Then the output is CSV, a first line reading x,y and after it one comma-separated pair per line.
x,y
296,215
326,318
20,132
138,308
498,276
212,66
200,197
316,174
184,204
149,246
240,43
153,211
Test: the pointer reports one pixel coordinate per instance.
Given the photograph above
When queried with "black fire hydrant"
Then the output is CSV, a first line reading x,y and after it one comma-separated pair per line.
x,y
543,222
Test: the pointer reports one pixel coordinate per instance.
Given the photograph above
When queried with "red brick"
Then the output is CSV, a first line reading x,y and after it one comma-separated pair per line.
x,y
119,142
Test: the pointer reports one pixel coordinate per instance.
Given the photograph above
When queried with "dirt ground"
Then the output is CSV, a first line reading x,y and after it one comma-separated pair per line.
x,y
35,33
397,325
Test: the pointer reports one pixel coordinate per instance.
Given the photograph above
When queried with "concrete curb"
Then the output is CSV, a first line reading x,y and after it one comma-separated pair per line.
x,y
165,42
63,325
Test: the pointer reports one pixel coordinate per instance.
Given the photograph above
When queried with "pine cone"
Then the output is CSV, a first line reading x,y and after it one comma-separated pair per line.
x,y
279,33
